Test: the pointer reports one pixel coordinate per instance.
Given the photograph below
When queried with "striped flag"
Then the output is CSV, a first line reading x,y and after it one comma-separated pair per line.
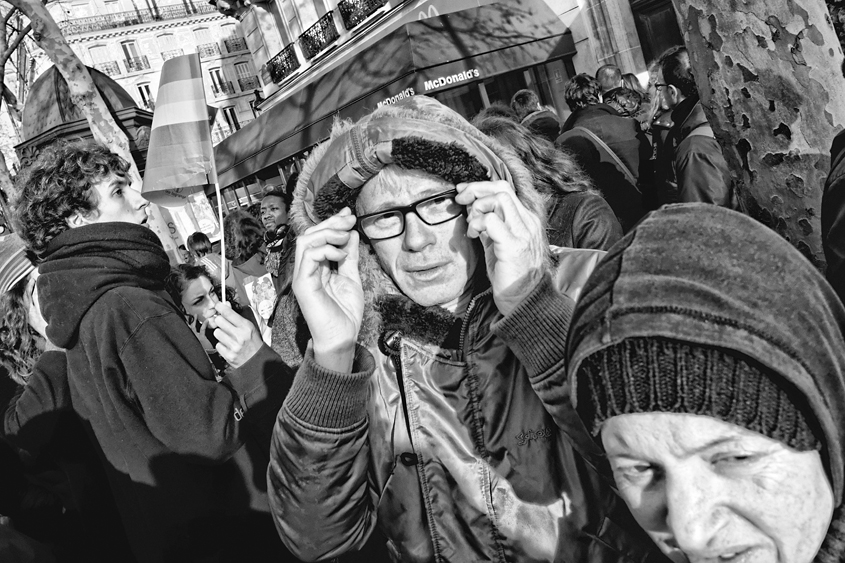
x,y
180,158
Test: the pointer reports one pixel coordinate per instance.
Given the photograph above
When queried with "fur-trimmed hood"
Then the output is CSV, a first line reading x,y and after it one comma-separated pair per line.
x,y
417,133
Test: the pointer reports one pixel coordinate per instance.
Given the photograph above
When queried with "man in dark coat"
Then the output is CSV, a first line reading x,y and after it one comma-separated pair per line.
x,y
701,171
530,113
615,152
184,454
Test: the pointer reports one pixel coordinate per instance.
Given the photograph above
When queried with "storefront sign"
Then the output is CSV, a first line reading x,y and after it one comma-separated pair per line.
x,y
452,79
406,93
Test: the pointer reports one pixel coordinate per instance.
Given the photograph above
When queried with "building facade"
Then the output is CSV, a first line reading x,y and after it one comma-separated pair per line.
x,y
318,60
129,41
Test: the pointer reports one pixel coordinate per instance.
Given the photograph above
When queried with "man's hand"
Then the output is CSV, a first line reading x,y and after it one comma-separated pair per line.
x,y
238,340
332,301
512,237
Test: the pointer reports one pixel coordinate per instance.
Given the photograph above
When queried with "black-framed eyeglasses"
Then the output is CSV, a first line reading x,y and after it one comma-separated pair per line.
x,y
390,223
659,85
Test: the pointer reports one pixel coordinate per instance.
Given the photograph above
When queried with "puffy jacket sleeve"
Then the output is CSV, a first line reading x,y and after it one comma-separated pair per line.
x,y
318,480
170,379
595,225
536,332
702,172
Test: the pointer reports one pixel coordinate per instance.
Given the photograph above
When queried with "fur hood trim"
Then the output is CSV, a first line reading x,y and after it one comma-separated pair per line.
x,y
417,133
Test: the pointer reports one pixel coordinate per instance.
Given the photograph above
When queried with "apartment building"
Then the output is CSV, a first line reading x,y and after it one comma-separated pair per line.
x,y
129,40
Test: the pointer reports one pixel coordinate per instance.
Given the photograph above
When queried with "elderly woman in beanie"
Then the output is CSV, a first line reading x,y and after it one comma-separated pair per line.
x,y
707,358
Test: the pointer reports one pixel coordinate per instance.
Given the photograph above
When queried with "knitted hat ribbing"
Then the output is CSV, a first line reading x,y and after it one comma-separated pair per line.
x,y
641,375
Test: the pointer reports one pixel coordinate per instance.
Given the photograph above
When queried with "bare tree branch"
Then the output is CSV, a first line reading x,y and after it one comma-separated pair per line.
x,y
8,15
8,52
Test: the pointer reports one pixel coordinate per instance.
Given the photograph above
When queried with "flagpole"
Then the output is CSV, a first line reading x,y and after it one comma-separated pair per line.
x,y
222,241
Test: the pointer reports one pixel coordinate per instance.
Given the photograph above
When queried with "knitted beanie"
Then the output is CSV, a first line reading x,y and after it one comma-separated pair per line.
x,y
14,264
641,375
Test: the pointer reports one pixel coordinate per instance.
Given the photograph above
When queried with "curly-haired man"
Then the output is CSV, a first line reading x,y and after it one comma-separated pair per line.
x,y
171,436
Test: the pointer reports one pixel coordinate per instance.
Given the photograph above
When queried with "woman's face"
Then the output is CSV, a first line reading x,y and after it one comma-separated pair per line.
x,y
199,299
709,491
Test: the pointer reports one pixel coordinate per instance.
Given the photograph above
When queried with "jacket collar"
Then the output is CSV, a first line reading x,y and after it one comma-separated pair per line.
x,y
688,115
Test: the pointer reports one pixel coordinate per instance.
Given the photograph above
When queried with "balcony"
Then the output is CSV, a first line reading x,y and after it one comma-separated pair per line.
x,y
353,12
109,68
208,50
166,55
249,84
222,89
135,17
134,64
236,44
318,36
283,64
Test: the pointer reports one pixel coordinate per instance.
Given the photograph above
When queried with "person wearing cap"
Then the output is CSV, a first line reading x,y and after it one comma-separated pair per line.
x,y
434,313
707,357
172,437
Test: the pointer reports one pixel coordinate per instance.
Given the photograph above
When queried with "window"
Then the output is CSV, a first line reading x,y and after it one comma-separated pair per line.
x,y
130,50
146,95
112,6
243,71
166,42
216,77
231,118
203,36
99,54
80,10
291,19
228,31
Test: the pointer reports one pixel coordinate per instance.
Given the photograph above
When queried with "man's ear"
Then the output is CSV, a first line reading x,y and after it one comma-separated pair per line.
x,y
78,219
675,94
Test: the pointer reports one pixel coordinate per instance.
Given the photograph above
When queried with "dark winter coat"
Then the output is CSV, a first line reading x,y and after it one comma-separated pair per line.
x,y
450,437
543,123
582,220
184,454
701,172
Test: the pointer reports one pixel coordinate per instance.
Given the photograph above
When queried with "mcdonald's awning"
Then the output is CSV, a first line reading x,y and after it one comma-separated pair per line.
x,y
423,54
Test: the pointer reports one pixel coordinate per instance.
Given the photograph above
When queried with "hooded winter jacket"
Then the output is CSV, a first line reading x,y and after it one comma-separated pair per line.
x,y
710,276
183,453
446,437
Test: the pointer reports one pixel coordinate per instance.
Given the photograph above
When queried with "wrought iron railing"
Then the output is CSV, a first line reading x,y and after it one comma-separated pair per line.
x,y
110,68
235,44
318,36
165,55
249,83
134,64
222,89
353,12
134,17
283,64
208,50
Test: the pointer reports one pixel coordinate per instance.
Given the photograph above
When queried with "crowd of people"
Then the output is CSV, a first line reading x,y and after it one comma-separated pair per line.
x,y
492,340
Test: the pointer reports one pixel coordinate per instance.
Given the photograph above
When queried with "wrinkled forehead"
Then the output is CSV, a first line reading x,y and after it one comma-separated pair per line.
x,y
394,186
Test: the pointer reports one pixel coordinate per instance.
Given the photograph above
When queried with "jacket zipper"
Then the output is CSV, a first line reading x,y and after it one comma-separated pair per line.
x,y
465,324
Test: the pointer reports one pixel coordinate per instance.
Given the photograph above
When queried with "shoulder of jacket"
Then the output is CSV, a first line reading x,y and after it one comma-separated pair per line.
x,y
573,267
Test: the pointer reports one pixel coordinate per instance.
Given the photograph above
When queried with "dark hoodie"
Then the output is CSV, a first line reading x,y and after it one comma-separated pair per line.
x,y
710,276
142,382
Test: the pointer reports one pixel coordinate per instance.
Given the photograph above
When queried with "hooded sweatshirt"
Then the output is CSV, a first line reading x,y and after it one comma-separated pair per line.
x,y
710,276
144,386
